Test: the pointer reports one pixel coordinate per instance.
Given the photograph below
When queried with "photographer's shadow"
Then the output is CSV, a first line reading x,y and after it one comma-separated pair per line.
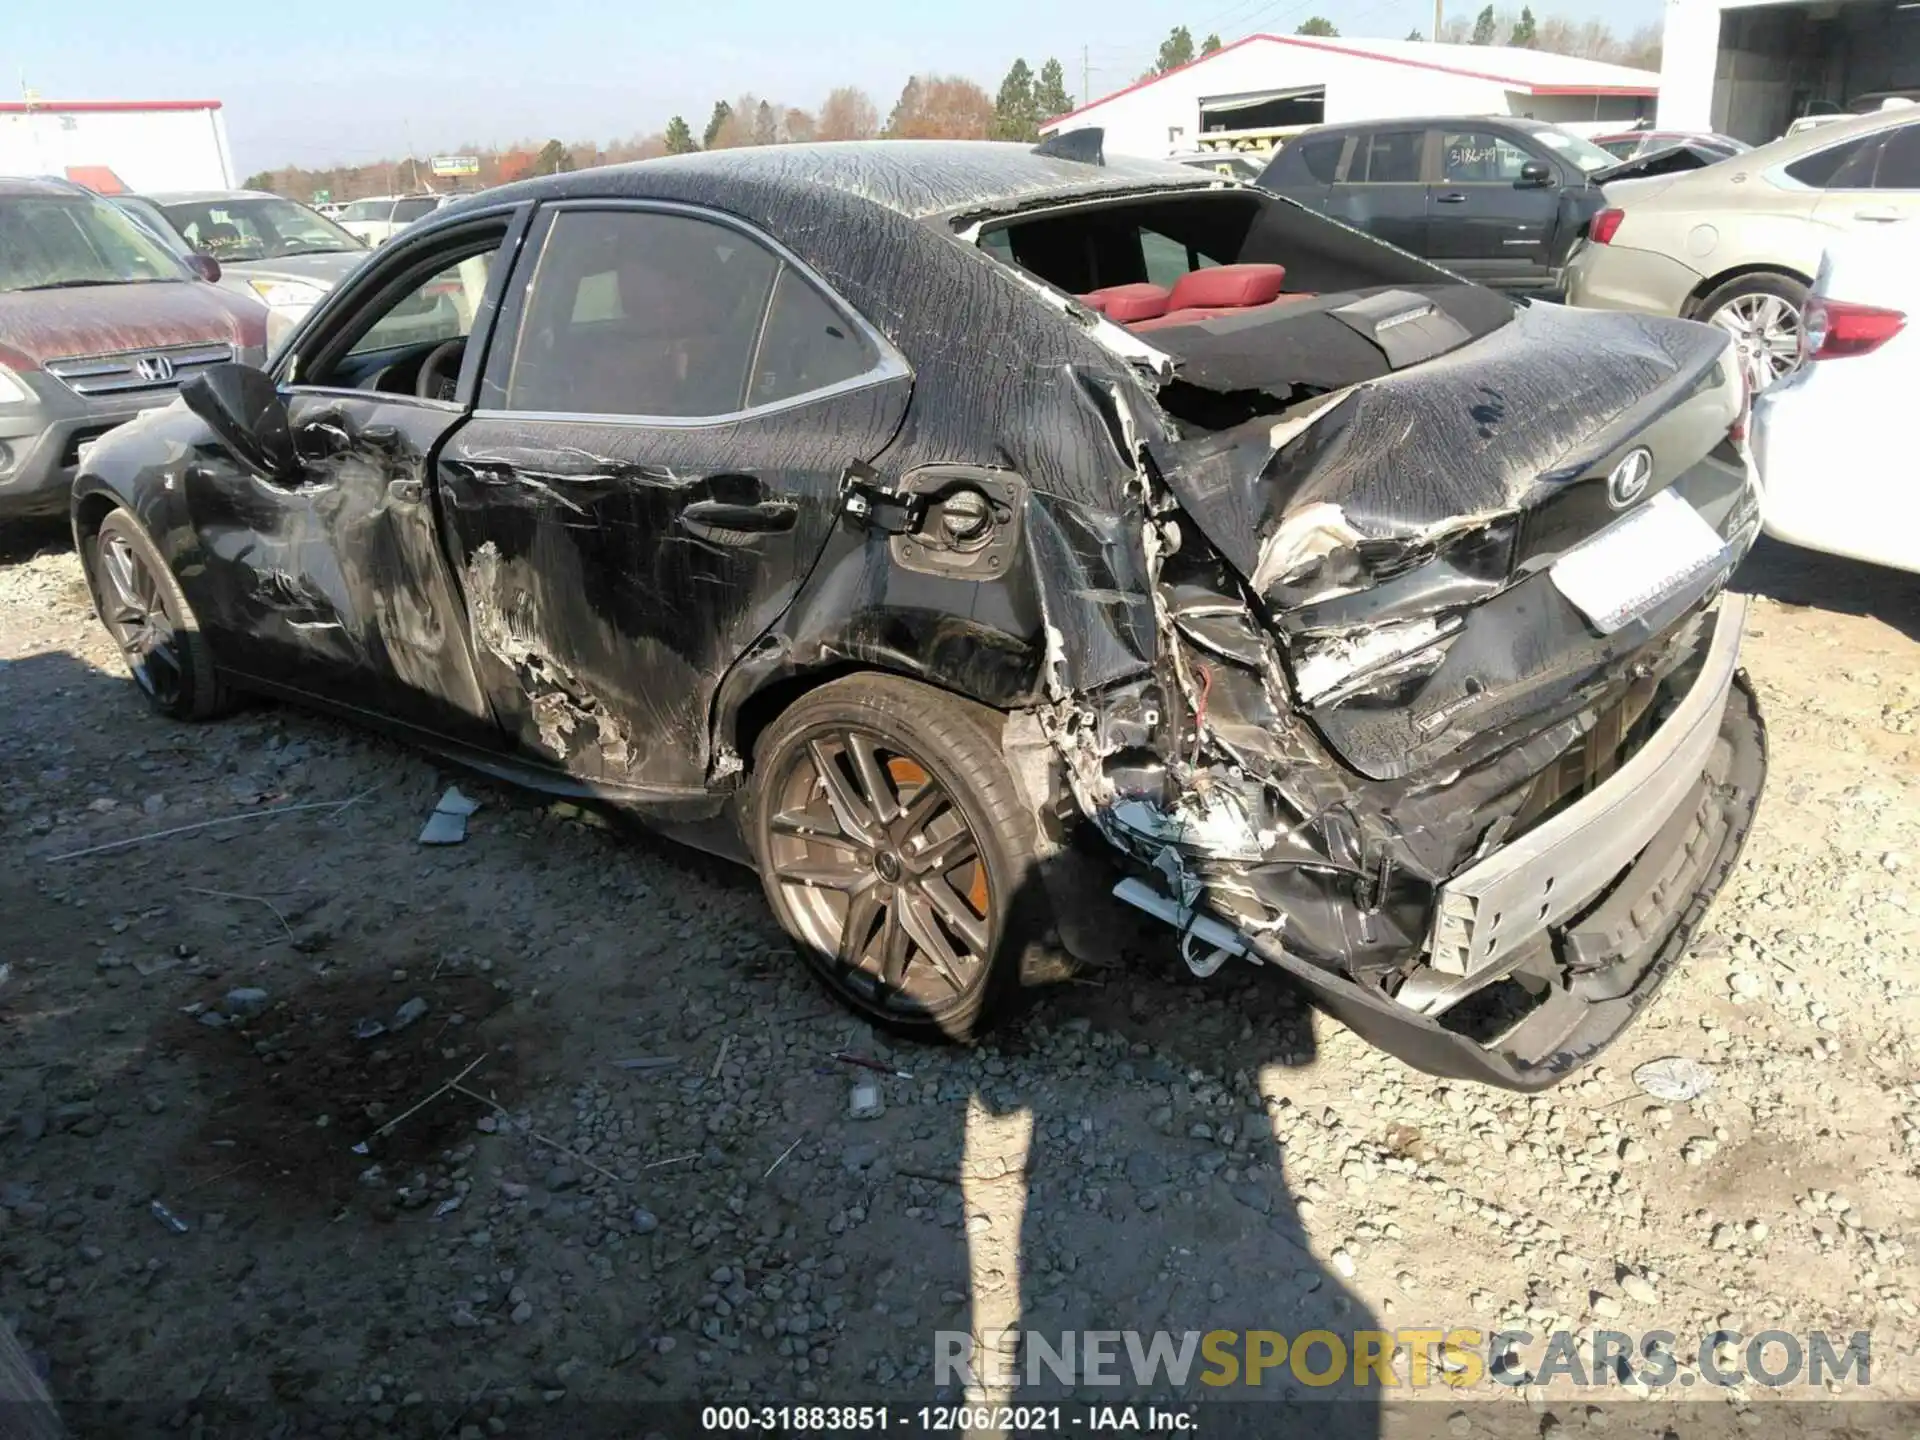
x,y
1118,1169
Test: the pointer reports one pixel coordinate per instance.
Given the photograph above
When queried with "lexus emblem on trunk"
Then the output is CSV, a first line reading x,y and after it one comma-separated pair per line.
x,y
1628,482
154,369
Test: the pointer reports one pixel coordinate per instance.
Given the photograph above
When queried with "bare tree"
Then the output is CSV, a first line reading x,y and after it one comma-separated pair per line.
x,y
848,114
797,126
941,107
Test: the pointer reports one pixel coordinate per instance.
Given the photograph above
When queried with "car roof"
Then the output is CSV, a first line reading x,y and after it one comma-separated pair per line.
x,y
1421,122
919,179
14,186
203,197
1818,137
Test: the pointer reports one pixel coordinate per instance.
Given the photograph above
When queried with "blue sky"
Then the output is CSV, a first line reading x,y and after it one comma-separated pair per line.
x,y
352,80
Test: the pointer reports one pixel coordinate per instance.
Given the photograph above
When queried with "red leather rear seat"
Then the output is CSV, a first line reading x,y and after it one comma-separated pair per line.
x,y
1124,304
1227,287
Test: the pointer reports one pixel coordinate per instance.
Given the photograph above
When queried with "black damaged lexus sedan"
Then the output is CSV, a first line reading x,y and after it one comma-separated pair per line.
x,y
930,524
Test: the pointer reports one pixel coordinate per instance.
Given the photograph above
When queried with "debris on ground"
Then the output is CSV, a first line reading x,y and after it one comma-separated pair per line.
x,y
447,825
1674,1078
864,1102
167,1218
864,1063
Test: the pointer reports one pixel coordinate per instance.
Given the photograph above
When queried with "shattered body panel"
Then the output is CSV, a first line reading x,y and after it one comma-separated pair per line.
x,y
1274,616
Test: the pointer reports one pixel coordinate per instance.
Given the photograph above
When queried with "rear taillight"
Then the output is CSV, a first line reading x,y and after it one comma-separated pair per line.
x,y
1604,225
1835,329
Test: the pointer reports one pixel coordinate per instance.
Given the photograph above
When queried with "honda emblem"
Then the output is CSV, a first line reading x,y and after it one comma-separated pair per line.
x,y
154,369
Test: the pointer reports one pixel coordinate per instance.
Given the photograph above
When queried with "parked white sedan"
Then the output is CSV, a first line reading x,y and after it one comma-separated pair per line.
x,y
1833,442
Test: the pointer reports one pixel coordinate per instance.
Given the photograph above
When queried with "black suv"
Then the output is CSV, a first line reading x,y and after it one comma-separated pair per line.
x,y
1493,199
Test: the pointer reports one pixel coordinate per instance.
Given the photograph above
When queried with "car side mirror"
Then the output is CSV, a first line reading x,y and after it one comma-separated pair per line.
x,y
205,266
1534,175
246,414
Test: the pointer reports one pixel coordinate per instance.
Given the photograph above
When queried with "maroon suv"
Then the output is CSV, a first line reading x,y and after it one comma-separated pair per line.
x,y
99,321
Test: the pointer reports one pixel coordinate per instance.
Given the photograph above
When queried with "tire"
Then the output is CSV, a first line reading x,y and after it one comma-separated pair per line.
x,y
143,608
1746,308
914,909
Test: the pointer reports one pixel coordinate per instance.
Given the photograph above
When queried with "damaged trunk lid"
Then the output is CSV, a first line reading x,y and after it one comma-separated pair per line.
x,y
1477,537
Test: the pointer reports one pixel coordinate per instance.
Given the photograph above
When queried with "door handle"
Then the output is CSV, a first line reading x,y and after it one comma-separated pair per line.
x,y
406,492
1455,198
1879,214
726,523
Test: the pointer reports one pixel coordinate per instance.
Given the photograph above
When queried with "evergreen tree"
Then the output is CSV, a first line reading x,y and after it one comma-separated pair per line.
x,y
1050,97
1015,114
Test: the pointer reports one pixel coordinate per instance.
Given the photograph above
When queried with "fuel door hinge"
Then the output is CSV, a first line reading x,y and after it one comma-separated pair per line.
x,y
872,504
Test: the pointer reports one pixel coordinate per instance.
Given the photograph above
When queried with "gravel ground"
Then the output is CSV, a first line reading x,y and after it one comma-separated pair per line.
x,y
255,1024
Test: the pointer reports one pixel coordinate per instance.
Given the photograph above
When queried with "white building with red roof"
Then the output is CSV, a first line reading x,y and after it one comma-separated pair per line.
x,y
119,146
1247,91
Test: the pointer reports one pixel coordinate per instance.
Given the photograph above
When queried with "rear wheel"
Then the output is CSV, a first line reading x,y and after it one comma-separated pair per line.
x,y
895,847
142,607
1763,315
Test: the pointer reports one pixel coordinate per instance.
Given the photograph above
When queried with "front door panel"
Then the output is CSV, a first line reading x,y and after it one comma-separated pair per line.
x,y
334,584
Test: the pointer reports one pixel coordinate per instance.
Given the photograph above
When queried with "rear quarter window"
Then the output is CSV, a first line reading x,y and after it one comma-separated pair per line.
x,y
1821,170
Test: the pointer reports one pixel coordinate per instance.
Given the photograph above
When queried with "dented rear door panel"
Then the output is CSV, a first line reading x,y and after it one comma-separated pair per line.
x,y
614,571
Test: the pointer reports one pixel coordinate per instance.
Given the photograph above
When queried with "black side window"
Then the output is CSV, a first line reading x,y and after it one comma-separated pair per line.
x,y
806,344
1821,170
1388,157
1322,158
636,312
1899,167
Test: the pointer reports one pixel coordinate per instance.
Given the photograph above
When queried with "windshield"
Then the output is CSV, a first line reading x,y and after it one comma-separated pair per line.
x,y
265,228
53,241
1584,153
368,210
405,211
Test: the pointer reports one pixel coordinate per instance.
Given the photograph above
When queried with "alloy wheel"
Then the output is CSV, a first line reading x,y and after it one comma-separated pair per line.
x,y
881,871
136,616
1766,336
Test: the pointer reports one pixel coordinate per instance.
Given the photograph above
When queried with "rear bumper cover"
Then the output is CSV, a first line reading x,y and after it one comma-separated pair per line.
x,y
1636,926
1619,277
1557,868
1633,866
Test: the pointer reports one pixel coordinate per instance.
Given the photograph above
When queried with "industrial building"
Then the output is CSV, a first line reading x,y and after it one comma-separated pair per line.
x,y
1749,68
114,146
1249,94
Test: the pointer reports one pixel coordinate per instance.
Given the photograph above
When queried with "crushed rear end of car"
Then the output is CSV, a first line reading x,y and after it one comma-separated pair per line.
x,y
1446,720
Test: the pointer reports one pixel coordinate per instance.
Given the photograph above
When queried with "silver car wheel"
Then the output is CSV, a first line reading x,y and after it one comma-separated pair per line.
x,y
1766,334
